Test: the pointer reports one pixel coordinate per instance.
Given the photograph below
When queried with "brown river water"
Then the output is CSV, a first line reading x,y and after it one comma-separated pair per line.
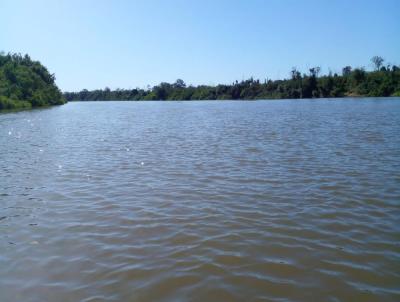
x,y
290,200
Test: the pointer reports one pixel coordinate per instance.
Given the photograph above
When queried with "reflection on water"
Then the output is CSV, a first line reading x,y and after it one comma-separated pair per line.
x,y
201,201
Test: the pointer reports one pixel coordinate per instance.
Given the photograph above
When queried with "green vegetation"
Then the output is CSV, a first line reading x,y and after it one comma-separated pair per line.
x,y
383,81
25,83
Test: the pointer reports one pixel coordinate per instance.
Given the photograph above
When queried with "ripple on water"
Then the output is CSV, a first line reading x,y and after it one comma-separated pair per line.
x,y
201,201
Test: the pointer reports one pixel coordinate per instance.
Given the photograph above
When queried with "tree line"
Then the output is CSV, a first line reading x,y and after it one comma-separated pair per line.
x,y
25,83
383,81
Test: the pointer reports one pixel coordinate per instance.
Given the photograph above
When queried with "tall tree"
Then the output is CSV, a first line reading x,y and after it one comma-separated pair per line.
x,y
378,61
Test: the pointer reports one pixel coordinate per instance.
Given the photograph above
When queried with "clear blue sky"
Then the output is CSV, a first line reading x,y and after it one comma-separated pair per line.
x,y
127,44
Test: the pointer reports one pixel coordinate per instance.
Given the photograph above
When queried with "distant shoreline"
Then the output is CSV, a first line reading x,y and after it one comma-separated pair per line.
x,y
18,93
384,81
244,100
253,100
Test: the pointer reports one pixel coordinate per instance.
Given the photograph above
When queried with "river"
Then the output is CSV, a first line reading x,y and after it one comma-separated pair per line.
x,y
286,200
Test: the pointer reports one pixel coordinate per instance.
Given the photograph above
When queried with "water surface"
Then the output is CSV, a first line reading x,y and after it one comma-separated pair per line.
x,y
201,201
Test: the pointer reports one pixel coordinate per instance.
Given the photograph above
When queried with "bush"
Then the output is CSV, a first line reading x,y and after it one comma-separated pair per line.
x,y
9,104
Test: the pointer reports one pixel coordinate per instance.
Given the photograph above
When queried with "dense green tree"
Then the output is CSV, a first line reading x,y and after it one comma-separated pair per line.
x,y
346,71
25,83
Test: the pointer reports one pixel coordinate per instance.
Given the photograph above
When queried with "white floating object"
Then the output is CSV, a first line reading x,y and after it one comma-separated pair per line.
x,y
142,163
9,132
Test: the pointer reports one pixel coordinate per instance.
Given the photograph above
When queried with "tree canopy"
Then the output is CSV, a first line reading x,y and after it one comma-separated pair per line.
x,y
383,81
25,83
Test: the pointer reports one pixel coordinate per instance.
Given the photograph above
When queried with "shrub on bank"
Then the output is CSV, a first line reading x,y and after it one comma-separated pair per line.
x,y
9,104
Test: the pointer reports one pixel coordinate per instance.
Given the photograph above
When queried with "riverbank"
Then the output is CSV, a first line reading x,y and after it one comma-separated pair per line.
x,y
8,104
350,97
384,81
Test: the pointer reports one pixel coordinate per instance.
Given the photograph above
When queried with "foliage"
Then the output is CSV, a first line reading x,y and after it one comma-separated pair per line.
x,y
384,81
25,83
8,104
